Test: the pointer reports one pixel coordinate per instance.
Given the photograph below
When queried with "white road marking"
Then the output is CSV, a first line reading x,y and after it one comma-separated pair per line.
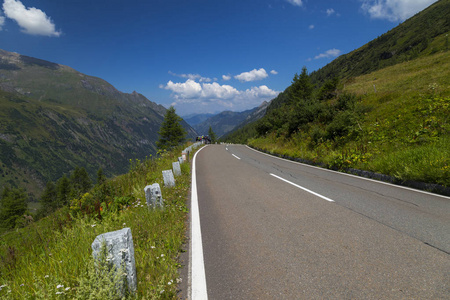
x,y
235,156
351,175
300,187
197,265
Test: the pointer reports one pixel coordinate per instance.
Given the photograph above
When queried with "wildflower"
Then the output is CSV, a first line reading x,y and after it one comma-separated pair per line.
x,y
93,225
46,276
162,291
67,288
153,247
169,283
22,284
59,286
60,261
124,224
162,255
59,293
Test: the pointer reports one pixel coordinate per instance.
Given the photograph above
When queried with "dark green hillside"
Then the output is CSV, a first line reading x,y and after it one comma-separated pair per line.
x,y
369,110
53,118
423,34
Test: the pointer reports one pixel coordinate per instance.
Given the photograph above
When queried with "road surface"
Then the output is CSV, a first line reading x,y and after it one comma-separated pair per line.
x,y
275,229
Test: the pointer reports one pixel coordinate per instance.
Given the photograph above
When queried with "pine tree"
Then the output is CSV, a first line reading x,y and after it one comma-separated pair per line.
x,y
301,88
171,132
13,206
80,182
49,202
212,135
63,190
101,178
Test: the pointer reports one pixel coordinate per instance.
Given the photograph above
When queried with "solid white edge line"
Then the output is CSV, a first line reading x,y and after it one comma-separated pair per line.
x,y
196,265
351,175
236,156
300,187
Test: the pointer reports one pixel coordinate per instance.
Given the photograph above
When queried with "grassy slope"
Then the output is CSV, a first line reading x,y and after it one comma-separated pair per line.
x,y
59,245
403,128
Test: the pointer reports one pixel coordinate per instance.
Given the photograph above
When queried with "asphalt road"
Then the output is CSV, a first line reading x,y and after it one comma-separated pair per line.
x,y
274,229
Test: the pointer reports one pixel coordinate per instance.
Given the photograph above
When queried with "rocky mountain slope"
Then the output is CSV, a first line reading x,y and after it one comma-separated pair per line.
x,y
53,118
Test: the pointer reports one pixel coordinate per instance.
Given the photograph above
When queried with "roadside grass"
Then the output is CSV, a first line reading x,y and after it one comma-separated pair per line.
x,y
50,259
402,128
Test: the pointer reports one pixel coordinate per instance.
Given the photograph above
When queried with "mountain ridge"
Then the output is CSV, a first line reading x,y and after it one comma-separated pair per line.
x,y
54,118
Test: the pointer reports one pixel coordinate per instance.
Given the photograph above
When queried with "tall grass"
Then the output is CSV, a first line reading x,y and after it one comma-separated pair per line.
x,y
50,259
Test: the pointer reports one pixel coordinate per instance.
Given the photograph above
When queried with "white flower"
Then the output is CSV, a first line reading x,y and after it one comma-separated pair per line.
x,y
161,292
93,225
46,276
153,247
169,283
124,224
162,255
22,284
59,293
67,288
59,286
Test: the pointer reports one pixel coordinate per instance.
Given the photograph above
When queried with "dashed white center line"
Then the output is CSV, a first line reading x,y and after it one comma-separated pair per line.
x,y
300,187
235,156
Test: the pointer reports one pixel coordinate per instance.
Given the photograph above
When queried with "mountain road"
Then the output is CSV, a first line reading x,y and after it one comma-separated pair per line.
x,y
275,229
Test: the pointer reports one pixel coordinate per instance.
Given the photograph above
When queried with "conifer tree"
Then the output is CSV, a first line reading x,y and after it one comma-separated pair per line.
x,y
80,182
171,132
13,206
212,135
63,190
49,201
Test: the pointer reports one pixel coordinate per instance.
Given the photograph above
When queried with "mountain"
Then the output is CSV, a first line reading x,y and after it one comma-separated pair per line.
x,y
226,121
422,35
194,119
54,118
381,109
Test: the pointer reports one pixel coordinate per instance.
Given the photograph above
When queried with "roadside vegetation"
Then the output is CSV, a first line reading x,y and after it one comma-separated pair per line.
x,y
393,121
51,258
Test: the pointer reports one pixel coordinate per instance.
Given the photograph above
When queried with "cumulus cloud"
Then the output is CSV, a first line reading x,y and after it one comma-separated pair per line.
x,y
2,22
226,77
191,95
394,10
252,75
32,20
295,2
330,11
273,72
192,77
329,53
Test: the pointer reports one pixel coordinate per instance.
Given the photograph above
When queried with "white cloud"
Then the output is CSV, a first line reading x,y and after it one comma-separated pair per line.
x,y
330,11
32,20
226,77
252,75
191,96
192,77
273,72
2,22
329,53
394,10
295,2
311,26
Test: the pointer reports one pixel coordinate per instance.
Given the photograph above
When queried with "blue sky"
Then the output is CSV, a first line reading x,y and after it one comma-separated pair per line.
x,y
198,55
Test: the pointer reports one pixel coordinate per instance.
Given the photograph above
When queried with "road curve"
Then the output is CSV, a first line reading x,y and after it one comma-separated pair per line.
x,y
274,229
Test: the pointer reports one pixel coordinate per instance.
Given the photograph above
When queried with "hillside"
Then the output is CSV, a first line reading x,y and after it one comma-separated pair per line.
x,y
391,118
226,121
53,118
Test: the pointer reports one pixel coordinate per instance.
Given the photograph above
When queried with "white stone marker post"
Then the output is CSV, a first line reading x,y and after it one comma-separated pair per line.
x,y
119,246
169,180
153,196
176,168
